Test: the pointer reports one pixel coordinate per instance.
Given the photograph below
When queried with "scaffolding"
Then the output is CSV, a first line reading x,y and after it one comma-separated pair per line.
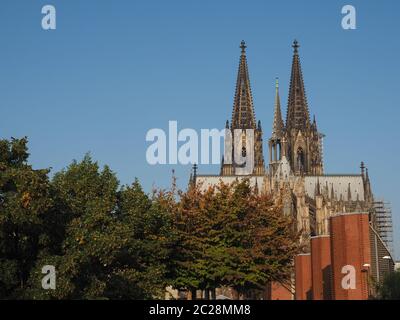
x,y
384,223
321,149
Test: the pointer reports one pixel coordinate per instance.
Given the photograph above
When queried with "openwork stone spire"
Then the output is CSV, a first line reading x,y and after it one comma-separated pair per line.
x,y
298,116
243,110
277,126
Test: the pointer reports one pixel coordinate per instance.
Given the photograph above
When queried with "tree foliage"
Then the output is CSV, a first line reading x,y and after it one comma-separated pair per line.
x,y
25,203
390,287
229,235
109,241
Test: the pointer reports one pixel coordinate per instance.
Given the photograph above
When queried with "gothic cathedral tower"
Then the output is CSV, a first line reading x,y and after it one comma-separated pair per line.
x,y
299,140
243,117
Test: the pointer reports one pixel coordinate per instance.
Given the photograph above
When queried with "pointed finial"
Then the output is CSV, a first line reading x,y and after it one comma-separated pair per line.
x,y
349,192
277,83
243,46
317,188
193,176
195,171
314,119
362,167
227,124
173,184
295,46
256,187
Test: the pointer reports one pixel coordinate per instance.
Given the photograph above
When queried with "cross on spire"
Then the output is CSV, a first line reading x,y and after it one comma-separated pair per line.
x,y
295,46
195,167
243,46
362,167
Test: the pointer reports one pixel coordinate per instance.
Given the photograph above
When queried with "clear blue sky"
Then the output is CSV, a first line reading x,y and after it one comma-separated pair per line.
x,y
115,69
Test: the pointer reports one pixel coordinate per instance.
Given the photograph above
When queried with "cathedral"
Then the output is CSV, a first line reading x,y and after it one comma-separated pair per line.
x,y
295,174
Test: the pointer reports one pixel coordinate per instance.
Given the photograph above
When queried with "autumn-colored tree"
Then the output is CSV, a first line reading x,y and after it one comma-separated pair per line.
x,y
189,268
230,235
263,238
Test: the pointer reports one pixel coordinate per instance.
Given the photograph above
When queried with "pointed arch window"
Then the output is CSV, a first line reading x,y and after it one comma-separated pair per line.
x,y
300,159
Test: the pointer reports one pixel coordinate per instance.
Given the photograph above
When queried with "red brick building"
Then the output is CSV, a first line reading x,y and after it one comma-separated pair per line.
x,y
278,291
321,268
350,255
345,264
303,283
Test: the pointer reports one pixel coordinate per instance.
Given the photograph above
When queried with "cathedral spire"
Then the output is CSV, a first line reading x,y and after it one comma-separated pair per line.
x,y
368,189
243,117
298,116
277,126
243,110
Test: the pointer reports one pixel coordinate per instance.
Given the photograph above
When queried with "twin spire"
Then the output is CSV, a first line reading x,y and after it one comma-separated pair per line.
x,y
243,115
306,158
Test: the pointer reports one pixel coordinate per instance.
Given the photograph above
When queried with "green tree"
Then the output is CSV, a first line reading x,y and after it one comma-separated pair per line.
x,y
390,287
148,247
25,205
108,242
115,240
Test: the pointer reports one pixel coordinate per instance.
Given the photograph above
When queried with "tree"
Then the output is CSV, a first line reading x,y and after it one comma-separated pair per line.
x,y
25,204
229,235
114,244
390,287
148,246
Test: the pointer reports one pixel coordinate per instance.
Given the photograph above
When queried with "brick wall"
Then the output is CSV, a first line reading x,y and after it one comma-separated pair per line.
x,y
351,256
277,291
321,268
303,277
